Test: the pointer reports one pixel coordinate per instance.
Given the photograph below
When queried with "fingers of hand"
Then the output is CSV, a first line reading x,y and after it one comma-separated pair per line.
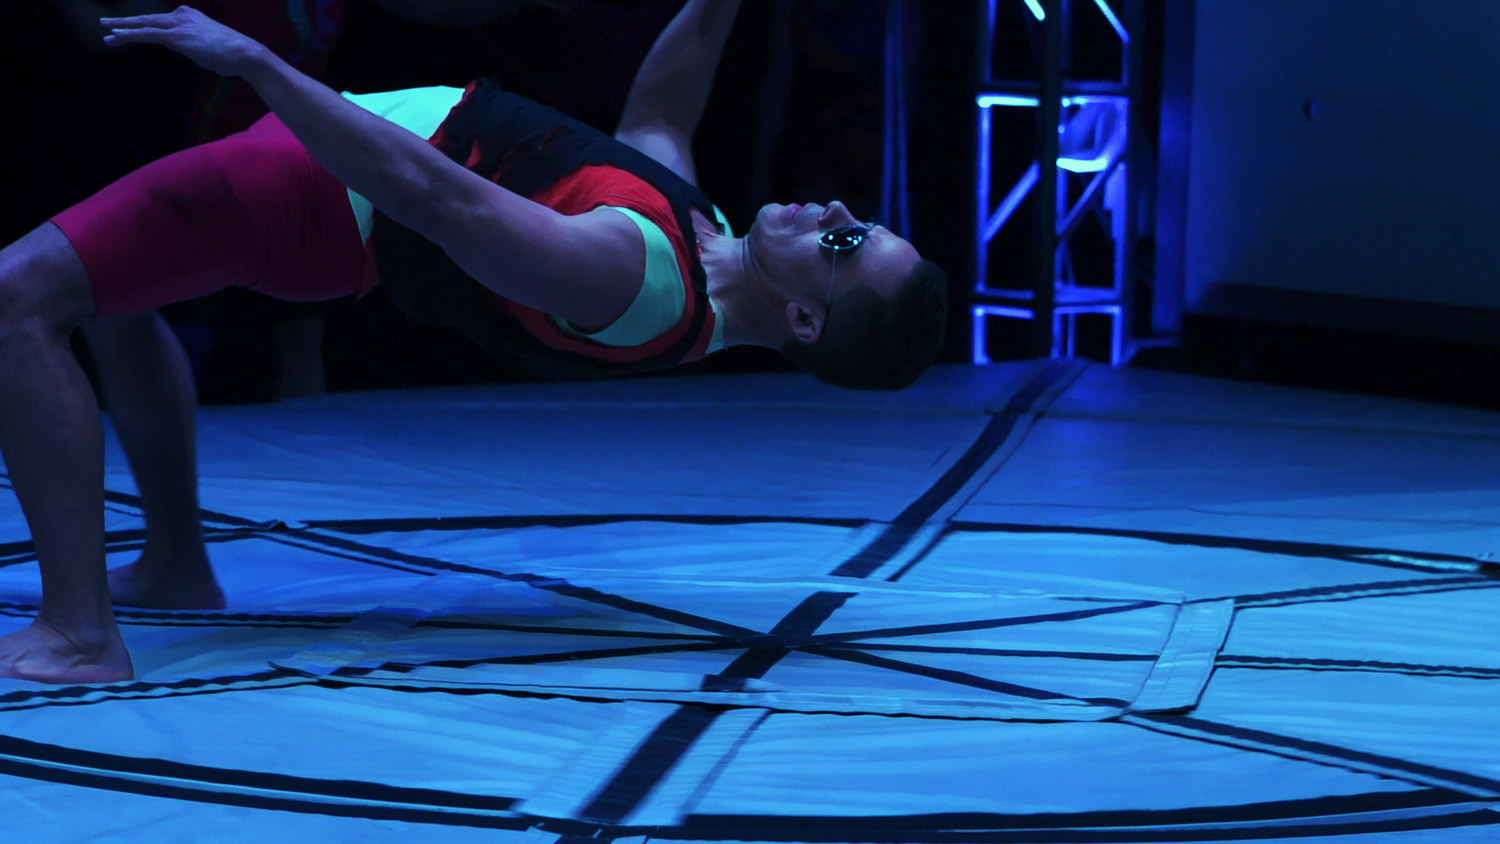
x,y
147,29
137,36
130,31
139,21
159,21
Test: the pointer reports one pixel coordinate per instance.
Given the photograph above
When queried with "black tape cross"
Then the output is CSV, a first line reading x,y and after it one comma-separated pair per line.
x,y
672,739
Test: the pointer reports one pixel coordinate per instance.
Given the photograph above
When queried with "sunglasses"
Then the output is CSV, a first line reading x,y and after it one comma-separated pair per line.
x,y
841,240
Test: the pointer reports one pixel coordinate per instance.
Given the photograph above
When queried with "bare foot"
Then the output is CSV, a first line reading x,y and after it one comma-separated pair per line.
x,y
186,588
47,655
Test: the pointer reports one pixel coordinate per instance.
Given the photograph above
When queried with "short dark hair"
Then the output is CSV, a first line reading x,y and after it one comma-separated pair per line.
x,y
873,343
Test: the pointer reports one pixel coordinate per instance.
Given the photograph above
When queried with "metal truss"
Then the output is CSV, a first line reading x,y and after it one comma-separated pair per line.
x,y
1084,142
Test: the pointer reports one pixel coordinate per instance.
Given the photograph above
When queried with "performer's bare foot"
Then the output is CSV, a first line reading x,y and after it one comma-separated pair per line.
x,y
45,654
178,585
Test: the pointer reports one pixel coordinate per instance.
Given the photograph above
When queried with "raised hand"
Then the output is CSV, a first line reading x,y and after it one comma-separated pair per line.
x,y
188,31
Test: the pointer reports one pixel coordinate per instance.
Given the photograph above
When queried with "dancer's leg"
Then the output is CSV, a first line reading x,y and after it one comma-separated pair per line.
x,y
53,444
253,210
148,389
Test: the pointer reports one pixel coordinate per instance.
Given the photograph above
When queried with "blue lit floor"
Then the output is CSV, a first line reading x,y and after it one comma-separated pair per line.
x,y
1034,602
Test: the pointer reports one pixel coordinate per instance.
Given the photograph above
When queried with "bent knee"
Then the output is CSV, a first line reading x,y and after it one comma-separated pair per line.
x,y
43,283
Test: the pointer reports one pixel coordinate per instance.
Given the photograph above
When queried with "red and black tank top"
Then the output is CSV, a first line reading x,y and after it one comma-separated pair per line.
x,y
550,158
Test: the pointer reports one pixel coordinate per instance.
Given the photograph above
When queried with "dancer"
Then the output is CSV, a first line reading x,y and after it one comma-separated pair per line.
x,y
553,246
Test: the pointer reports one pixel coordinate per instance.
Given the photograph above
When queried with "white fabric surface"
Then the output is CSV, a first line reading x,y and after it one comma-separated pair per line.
x,y
502,609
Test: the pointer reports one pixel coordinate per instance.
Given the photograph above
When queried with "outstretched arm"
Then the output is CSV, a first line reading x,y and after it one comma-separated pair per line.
x,y
671,88
585,268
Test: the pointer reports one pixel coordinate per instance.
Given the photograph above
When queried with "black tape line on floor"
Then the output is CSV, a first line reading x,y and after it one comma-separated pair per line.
x,y
531,659
676,735
460,523
1016,652
201,618
1275,810
241,623
434,565
1387,557
1336,816
1359,760
712,826
116,541
134,502
913,829
1363,591
753,663
314,804
362,554
1002,425
788,634
139,689
650,763
18,749
1286,663
560,630
959,678
249,789
764,651
982,624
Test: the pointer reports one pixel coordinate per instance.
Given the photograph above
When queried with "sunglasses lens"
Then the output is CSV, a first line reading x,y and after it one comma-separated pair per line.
x,y
843,237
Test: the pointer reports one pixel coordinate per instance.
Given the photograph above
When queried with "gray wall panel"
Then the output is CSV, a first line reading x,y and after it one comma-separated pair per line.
x,y
1387,190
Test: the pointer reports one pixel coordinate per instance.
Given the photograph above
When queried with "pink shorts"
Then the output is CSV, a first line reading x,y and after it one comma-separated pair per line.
x,y
253,210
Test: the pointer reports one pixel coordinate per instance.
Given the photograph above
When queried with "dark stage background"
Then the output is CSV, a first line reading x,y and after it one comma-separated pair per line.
x,y
796,116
